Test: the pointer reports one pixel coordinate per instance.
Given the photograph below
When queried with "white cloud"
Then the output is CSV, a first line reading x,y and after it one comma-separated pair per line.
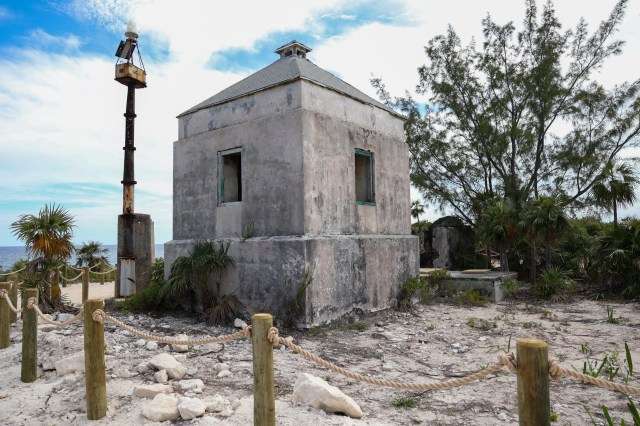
x,y
41,38
62,120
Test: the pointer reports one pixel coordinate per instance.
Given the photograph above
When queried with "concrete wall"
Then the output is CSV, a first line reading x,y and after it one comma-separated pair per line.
x,y
143,243
298,191
348,272
333,127
272,200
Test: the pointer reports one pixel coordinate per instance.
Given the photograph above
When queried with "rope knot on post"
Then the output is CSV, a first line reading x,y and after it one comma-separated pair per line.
x,y
98,316
508,360
31,302
274,336
246,330
555,371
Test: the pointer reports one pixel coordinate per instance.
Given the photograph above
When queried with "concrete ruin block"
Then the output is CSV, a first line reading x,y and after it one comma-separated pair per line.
x,y
303,175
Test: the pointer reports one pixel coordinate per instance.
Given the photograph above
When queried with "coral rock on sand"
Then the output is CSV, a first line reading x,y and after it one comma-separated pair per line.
x,y
315,392
193,385
238,323
181,348
190,408
150,391
161,408
217,404
164,361
70,364
161,376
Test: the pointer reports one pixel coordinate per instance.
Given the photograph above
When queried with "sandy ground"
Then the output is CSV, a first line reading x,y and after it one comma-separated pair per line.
x,y
96,291
433,343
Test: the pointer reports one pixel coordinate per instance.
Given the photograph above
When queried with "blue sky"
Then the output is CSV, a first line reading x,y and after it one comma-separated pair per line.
x,y
61,112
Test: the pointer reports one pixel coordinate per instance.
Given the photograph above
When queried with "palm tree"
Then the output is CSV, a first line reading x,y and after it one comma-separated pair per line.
x,y
616,187
91,254
497,227
416,210
46,236
545,220
190,277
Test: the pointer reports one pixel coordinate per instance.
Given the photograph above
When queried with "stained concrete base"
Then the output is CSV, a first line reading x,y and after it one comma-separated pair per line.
x,y
488,283
347,272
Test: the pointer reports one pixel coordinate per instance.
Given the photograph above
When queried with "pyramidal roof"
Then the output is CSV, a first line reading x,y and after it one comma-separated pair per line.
x,y
292,65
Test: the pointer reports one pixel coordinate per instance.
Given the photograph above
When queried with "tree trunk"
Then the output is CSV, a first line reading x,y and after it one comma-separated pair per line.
x,y
533,263
547,255
615,212
504,261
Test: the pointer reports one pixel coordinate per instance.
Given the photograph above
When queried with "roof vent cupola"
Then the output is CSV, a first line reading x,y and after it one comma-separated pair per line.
x,y
293,48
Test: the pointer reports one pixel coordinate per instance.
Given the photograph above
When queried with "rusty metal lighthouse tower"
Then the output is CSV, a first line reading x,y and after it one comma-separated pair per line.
x,y
135,230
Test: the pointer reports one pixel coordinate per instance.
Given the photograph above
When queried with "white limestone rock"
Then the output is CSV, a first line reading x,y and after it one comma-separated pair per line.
x,y
224,373
150,391
143,367
238,323
151,346
190,385
48,364
165,361
140,343
62,316
315,392
161,376
217,404
221,366
190,408
181,348
161,408
70,364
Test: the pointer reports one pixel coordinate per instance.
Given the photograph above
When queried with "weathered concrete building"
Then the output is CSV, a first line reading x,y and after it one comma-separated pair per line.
x,y
305,176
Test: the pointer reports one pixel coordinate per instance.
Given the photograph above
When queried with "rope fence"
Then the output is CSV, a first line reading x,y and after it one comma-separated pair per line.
x,y
6,274
100,316
4,294
71,279
532,365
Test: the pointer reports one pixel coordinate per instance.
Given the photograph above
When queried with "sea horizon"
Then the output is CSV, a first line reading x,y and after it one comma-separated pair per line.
x,y
11,254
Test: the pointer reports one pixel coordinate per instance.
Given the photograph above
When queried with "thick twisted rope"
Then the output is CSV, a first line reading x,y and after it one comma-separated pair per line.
x,y
71,279
504,361
556,371
13,272
103,273
5,295
100,316
32,303
70,267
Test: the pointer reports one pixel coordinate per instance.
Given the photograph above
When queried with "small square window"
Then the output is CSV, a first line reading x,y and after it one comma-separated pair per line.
x,y
230,176
364,167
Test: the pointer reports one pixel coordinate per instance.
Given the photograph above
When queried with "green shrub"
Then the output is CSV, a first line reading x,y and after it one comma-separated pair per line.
x,y
552,282
404,402
152,298
472,297
510,287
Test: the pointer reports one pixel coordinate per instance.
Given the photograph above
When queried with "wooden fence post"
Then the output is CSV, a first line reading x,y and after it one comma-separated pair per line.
x,y
264,410
13,295
94,362
4,317
29,367
533,382
85,284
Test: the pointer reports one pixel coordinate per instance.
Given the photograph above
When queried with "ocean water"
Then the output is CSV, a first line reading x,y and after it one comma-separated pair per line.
x,y
10,255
